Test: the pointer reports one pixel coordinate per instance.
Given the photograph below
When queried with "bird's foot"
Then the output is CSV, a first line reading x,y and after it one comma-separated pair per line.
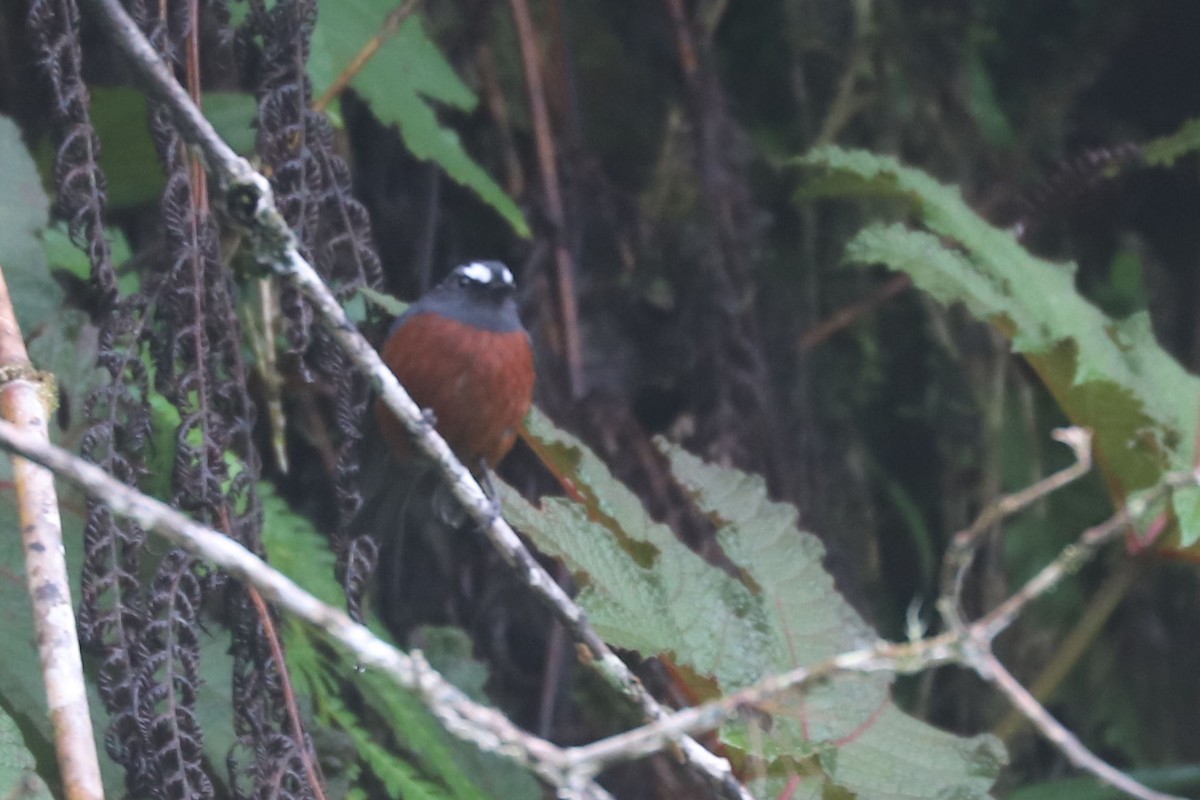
x,y
488,485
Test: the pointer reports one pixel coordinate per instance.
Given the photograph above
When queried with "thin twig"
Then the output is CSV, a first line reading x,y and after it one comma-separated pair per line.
x,y
968,645
961,551
249,203
653,737
271,634
848,315
24,402
387,30
710,19
1067,743
1076,643
689,61
1067,562
493,95
485,727
976,639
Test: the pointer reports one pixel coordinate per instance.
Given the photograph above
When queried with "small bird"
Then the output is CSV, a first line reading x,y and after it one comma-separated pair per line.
x,y
463,355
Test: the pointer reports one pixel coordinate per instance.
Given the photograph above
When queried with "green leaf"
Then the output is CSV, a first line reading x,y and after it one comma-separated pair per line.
x,y
400,82
24,213
390,305
880,747
127,155
67,349
645,591
1164,151
296,549
983,103
18,777
232,114
62,254
1108,375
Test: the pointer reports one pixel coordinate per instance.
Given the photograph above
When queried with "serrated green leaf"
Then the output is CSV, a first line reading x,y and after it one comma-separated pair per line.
x,y
24,214
296,548
1108,375
1164,151
879,746
399,82
646,591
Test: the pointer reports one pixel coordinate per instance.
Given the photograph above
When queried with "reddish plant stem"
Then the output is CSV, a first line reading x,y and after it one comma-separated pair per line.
x,y
271,633
544,140
847,315
199,178
688,59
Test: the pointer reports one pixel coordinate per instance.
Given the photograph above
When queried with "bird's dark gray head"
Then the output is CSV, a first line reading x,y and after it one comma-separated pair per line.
x,y
478,293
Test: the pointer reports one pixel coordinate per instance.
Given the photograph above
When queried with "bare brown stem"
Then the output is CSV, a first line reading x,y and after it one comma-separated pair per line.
x,y
848,315
543,136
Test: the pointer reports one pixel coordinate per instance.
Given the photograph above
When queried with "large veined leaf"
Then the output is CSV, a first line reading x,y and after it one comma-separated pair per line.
x,y
400,82
646,591
24,213
127,155
1109,375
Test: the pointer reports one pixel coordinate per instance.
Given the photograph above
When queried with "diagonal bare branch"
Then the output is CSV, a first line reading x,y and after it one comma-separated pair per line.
x,y
483,726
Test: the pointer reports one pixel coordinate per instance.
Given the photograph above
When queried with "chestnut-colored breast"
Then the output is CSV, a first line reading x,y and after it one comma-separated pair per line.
x,y
478,383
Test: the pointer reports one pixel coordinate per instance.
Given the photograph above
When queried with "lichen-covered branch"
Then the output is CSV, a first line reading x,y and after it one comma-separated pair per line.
x,y
485,727
24,403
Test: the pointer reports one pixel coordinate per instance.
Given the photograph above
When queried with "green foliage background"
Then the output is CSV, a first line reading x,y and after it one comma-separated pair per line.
x,y
716,221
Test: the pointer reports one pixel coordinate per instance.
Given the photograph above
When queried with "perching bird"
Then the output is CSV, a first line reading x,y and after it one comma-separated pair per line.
x,y
462,354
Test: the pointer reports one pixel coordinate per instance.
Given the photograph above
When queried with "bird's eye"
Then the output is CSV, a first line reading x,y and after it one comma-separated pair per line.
x,y
464,281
